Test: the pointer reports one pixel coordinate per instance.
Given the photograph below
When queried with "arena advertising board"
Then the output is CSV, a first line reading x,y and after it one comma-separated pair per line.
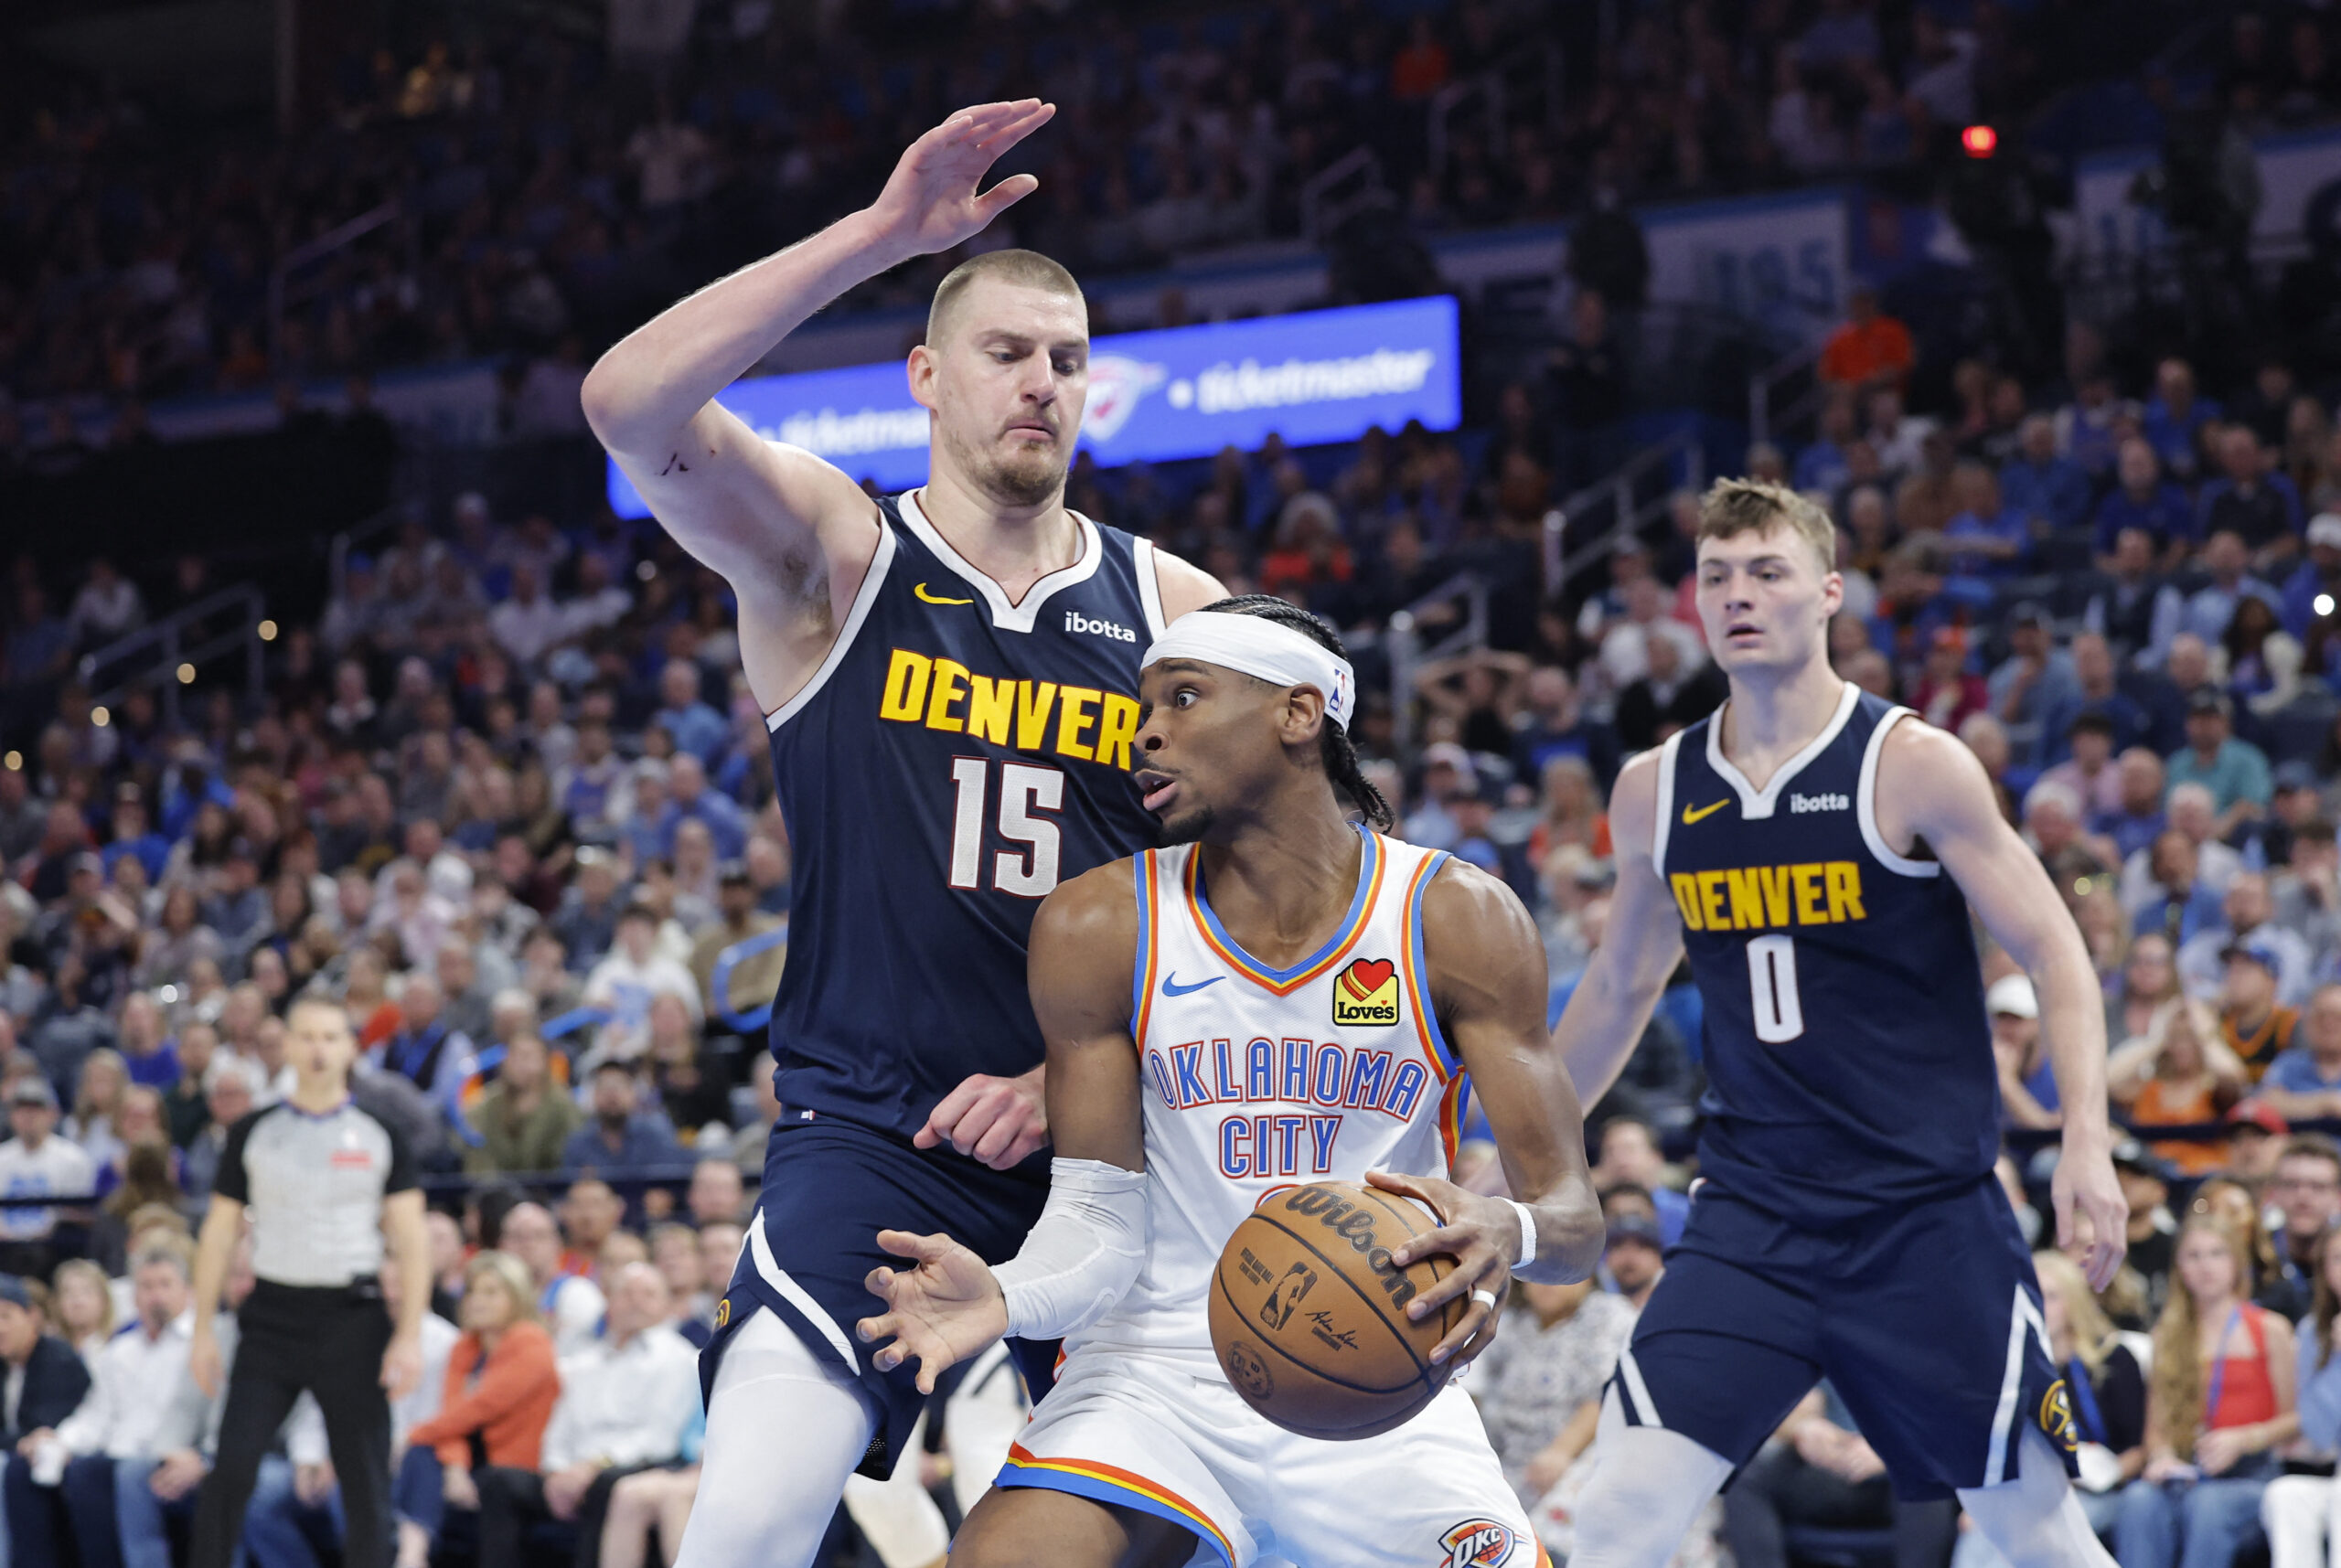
x,y
1187,391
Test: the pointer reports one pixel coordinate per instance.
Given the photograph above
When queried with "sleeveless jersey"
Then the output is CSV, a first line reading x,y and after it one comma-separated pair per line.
x,y
1848,1056
1256,1079
952,760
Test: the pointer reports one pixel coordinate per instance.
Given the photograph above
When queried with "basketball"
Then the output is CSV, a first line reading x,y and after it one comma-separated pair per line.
x,y
1308,1318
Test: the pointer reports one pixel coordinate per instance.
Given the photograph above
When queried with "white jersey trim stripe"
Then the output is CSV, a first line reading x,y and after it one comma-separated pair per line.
x,y
2022,1316
1756,805
796,1295
1150,587
871,582
1008,618
1866,803
1666,755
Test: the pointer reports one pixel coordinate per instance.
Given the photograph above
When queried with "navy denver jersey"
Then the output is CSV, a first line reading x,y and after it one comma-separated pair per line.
x,y
1848,1056
952,761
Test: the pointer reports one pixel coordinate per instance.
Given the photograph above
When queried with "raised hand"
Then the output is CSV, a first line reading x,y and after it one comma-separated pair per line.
x,y
944,1311
930,202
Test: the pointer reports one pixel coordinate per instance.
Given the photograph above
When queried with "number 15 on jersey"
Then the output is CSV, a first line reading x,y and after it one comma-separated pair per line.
x,y
1023,809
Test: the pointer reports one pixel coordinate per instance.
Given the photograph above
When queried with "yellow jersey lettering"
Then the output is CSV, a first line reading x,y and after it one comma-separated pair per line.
x,y
1686,899
1033,701
1809,907
1711,897
1117,728
1844,879
991,704
947,689
1746,898
1074,703
905,695
1775,880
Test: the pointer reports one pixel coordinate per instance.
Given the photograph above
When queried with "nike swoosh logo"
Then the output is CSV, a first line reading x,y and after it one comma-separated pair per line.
x,y
926,598
1689,816
1170,986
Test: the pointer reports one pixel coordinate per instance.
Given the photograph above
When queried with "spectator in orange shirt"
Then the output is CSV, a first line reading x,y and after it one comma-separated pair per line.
x,y
1872,349
2182,1072
502,1381
1421,67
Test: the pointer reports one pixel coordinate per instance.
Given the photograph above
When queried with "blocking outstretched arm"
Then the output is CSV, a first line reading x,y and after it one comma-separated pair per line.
x,y
790,532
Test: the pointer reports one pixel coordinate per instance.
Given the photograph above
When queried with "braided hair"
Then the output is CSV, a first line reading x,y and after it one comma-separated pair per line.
x,y
1333,742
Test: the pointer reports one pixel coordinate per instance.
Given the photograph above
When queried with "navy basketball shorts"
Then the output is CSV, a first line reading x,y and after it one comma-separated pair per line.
x,y
830,1188
1926,1320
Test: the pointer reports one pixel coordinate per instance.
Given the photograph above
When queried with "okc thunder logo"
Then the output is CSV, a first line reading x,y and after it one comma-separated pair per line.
x,y
1118,384
1477,1543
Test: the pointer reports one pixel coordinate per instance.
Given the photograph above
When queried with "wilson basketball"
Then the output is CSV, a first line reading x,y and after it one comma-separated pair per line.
x,y
1309,1316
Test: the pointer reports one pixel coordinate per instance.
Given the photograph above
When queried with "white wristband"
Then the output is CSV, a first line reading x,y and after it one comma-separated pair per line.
x,y
1527,1234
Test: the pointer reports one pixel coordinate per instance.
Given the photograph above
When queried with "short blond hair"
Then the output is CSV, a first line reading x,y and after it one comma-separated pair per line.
x,y
1019,269
1735,506
512,1275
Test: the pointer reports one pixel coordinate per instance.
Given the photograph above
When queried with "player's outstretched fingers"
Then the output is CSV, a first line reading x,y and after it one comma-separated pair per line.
x,y
1476,1332
903,1245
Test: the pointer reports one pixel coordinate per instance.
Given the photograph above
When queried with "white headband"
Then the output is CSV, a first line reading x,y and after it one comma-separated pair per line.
x,y
1253,647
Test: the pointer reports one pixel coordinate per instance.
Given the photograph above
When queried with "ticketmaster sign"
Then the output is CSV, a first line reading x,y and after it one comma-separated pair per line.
x,y
1320,376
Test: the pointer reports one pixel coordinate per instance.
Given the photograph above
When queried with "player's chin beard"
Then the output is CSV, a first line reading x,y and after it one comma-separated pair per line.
x,y
1190,828
1030,477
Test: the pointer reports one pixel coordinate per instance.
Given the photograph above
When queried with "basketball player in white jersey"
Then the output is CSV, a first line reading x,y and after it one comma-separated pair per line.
x,y
1204,1052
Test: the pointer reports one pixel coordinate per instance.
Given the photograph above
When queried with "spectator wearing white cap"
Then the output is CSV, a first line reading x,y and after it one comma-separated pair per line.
x,y
2028,1088
2316,581
34,1162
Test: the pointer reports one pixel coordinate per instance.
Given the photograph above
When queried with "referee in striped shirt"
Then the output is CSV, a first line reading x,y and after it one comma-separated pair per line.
x,y
325,1183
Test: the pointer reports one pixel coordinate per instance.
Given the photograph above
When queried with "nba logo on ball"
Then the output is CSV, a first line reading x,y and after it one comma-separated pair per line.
x,y
1366,993
1476,1543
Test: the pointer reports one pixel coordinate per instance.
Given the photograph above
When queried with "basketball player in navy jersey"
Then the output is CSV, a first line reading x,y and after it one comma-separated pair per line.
x,y
951,680
1817,852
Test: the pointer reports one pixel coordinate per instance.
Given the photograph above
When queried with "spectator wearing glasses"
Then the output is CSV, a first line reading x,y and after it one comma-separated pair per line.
x,y
2307,1190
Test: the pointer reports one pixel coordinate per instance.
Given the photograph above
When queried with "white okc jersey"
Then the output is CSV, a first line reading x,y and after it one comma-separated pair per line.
x,y
1256,1079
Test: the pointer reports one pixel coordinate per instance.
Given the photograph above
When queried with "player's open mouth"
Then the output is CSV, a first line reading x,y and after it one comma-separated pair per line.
x,y
1739,630
1156,790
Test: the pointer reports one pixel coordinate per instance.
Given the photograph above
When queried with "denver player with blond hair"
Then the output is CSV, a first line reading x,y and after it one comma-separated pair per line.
x,y
950,679
1816,852
1283,996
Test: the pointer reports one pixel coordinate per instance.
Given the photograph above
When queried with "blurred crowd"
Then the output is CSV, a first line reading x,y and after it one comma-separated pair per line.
x,y
534,191
505,796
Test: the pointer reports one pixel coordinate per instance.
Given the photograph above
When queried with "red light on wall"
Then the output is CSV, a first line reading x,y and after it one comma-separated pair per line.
x,y
1980,141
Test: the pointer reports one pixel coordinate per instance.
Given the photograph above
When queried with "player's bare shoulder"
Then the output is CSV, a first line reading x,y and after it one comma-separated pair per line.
x,y
1083,945
1183,585
1633,806
1929,785
1480,942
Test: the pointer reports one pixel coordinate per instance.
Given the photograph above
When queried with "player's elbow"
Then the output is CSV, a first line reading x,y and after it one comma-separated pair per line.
x,y
619,402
